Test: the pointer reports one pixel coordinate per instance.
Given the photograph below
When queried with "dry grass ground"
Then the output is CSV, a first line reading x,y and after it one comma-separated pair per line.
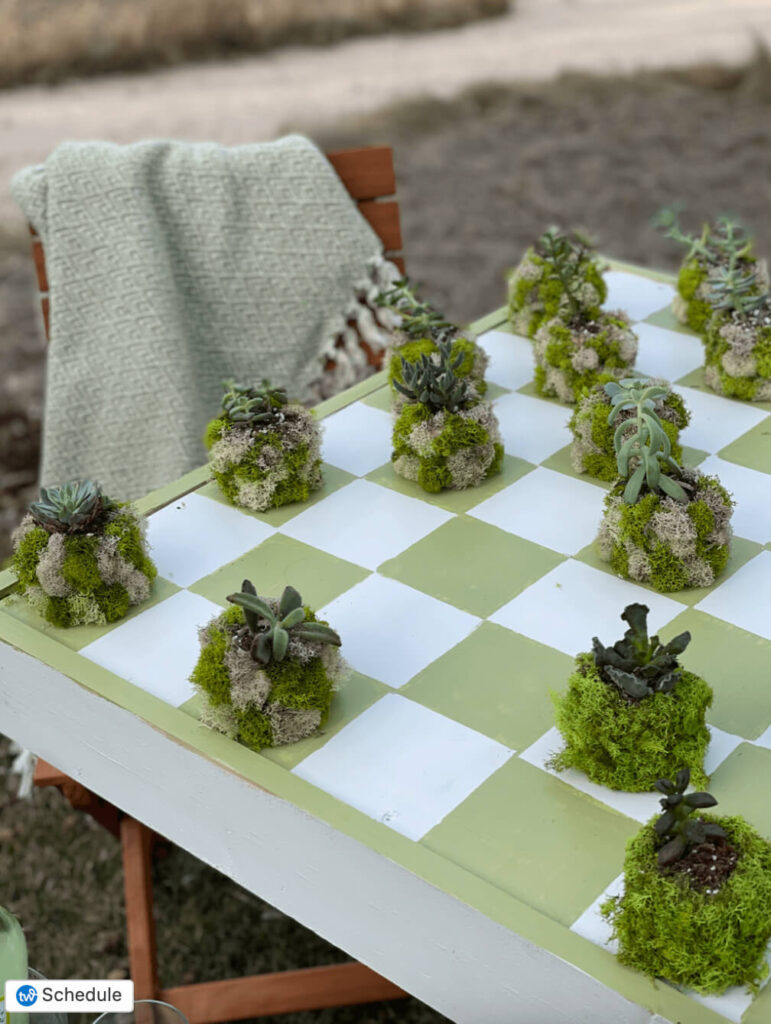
x,y
479,178
47,40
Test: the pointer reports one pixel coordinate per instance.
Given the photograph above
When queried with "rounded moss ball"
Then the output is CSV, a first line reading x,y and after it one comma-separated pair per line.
x,y
691,937
691,306
473,366
264,705
592,449
629,744
738,355
84,579
260,467
536,294
669,544
447,450
570,360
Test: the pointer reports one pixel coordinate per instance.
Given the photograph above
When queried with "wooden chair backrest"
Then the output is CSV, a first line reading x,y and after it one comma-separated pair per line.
x,y
369,176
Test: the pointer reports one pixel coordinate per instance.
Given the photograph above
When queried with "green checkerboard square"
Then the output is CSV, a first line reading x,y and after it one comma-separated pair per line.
x,y
667,319
471,565
76,637
537,838
735,663
742,551
334,479
454,501
496,682
560,463
740,785
380,399
752,449
278,561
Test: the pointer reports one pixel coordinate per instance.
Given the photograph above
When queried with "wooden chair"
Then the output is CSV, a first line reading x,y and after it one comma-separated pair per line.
x,y
368,174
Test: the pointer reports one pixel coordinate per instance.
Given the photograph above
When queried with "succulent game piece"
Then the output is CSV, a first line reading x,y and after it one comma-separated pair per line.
x,y
719,248
664,524
263,452
738,337
80,557
559,269
592,450
444,436
267,669
631,713
696,906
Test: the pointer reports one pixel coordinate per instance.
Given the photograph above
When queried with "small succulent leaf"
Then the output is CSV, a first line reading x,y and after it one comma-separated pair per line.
x,y
247,587
672,488
694,831
290,600
636,617
634,483
665,823
682,779
700,800
628,683
253,603
664,786
678,644
264,648
280,643
296,616
317,631
673,851
713,831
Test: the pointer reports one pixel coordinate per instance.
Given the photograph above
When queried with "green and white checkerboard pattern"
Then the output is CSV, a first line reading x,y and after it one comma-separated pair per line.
x,y
460,611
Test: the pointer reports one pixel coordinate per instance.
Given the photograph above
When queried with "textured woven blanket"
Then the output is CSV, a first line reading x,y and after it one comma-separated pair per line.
x,y
173,266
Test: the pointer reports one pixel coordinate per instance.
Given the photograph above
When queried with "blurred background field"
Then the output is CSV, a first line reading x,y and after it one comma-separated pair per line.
x,y
481,172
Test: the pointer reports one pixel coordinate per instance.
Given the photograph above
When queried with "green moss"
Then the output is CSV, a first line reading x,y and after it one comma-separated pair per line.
x,y
130,545
210,674
629,746
698,312
214,431
254,728
80,568
413,350
27,555
555,347
706,942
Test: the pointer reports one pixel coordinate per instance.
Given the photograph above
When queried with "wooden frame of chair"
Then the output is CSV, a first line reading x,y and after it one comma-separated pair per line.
x,y
369,176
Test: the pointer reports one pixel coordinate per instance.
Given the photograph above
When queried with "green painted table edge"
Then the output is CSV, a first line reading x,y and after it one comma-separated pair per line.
x,y
431,867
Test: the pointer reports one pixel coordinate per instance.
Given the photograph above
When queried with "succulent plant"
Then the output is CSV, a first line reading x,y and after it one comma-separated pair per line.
x,y
639,666
566,253
243,403
676,825
432,380
648,443
270,631
418,319
726,242
734,288
72,508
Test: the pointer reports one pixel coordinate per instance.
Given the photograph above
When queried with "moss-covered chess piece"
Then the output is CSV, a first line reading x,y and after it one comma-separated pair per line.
x,y
631,713
738,338
558,268
80,557
267,669
444,435
663,524
592,450
696,905
263,452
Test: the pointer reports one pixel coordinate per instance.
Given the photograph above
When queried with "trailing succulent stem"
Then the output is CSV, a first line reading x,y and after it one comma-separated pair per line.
x,y
648,443
269,632
726,242
565,253
72,508
676,824
243,403
639,666
418,319
435,384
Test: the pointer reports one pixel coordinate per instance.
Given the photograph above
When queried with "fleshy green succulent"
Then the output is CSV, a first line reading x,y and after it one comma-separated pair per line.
x,y
243,403
676,824
735,288
270,631
727,241
648,444
637,665
433,382
566,253
418,319
72,508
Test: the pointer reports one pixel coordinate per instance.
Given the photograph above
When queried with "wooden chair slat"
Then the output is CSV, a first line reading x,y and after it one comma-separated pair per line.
x,y
367,173
47,775
40,265
384,220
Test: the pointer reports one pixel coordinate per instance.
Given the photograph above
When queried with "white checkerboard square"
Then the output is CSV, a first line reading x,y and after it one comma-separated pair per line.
x,y
175,535
403,764
511,359
365,523
751,491
158,648
391,631
637,296
357,439
744,599
667,354
532,428
548,508
715,421
574,602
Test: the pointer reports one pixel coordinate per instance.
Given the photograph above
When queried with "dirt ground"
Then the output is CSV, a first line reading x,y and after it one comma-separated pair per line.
x,y
479,178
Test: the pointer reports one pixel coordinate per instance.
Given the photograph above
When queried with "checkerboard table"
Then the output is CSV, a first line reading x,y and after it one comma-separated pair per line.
x,y
421,831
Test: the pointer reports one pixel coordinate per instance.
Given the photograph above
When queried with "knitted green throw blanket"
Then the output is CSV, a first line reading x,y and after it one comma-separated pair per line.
x,y
173,266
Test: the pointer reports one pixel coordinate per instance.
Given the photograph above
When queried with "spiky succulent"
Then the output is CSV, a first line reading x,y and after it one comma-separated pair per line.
x,y
676,824
432,380
418,319
566,253
270,631
639,666
72,508
243,403
734,288
726,242
648,443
